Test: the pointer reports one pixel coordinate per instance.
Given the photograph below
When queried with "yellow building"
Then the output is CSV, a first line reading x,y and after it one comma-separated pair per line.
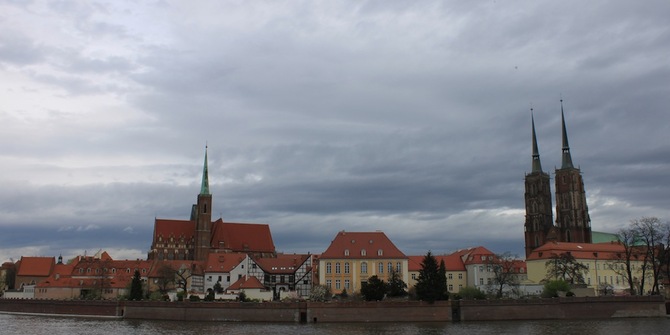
x,y
353,257
602,260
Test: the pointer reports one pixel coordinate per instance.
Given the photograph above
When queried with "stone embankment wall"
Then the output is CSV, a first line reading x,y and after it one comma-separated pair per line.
x,y
562,308
387,311
61,307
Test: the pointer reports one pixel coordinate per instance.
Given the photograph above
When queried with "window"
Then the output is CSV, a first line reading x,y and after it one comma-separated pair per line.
x,y
337,267
346,252
414,276
450,276
253,265
346,267
398,267
481,281
346,283
390,267
488,268
328,269
363,252
451,287
460,276
329,283
364,267
380,252
337,284
381,267
481,268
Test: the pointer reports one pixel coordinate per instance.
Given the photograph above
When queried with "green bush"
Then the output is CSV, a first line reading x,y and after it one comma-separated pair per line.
x,y
551,288
194,298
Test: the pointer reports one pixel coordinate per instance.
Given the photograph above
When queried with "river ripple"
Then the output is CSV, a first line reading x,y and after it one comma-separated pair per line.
x,y
39,325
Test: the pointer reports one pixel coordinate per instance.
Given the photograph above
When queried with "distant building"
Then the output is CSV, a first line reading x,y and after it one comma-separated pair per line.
x,y
353,257
196,238
573,223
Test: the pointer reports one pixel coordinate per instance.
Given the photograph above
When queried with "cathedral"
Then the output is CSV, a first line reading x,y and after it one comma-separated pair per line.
x,y
572,215
196,238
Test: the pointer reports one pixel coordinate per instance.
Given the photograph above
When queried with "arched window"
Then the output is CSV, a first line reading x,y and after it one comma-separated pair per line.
x,y
337,267
346,267
381,267
380,252
328,268
363,252
346,252
398,267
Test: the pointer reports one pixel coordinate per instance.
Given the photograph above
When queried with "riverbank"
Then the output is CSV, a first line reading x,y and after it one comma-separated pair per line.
x,y
332,312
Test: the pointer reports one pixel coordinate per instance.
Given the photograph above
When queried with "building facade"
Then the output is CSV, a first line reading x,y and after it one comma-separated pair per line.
x,y
353,257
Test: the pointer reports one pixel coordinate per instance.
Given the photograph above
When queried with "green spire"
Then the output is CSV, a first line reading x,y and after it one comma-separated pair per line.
x,y
537,166
204,187
567,158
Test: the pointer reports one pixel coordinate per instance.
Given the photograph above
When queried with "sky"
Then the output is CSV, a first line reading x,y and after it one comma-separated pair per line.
x,y
409,117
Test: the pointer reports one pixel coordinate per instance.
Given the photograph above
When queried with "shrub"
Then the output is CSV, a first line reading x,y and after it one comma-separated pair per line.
x,y
552,287
471,293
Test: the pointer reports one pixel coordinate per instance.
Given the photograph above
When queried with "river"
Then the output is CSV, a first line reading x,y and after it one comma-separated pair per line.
x,y
39,325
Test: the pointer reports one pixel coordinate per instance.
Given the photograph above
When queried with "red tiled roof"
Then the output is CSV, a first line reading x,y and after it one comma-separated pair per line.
x,y
608,250
176,228
355,242
223,262
242,237
474,255
35,266
245,282
282,264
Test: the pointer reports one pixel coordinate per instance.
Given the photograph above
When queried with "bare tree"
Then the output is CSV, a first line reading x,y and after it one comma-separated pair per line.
x,y
623,264
166,277
504,274
649,232
565,266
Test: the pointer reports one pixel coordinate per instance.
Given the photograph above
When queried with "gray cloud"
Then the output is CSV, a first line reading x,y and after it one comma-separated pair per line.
x,y
411,118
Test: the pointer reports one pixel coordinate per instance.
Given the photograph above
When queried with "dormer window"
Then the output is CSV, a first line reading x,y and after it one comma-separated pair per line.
x,y
363,252
346,252
380,252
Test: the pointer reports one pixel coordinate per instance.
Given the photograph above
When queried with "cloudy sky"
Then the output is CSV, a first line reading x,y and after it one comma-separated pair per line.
x,y
410,117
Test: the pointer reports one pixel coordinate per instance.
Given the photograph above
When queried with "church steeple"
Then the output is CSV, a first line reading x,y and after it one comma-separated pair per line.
x,y
567,158
204,187
537,165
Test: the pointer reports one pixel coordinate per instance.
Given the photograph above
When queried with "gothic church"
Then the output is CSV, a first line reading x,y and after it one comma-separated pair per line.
x,y
572,215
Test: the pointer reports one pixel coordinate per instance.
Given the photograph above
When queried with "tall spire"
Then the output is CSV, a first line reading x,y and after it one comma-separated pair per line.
x,y
204,187
537,166
567,158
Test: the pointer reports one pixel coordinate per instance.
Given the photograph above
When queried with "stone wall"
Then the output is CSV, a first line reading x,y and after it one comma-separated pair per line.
x,y
61,307
562,308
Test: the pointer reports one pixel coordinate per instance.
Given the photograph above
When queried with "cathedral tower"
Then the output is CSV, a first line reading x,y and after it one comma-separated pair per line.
x,y
203,217
572,214
539,218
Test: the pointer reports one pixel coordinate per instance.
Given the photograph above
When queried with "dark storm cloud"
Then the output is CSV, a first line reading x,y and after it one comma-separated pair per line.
x,y
324,116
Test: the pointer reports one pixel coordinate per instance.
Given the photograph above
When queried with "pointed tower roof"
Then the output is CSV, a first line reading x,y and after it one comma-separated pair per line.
x,y
537,166
567,158
204,187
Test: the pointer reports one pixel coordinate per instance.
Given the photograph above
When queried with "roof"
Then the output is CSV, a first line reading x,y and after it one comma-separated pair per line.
x,y
35,266
474,255
245,282
195,267
242,237
223,262
282,264
362,245
176,228
611,250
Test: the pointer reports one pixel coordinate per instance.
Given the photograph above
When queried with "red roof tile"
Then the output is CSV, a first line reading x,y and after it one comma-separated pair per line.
x,y
452,262
362,245
223,262
245,282
35,266
242,237
176,228
608,250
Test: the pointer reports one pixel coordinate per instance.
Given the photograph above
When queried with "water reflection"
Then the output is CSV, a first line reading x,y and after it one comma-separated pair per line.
x,y
37,325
